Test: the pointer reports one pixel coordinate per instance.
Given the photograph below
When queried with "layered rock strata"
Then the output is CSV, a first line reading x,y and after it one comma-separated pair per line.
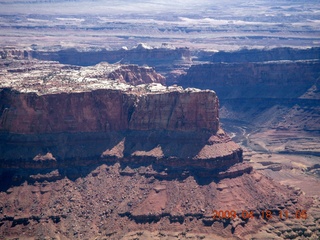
x,y
278,79
261,55
108,201
85,155
164,59
68,117
280,99
141,54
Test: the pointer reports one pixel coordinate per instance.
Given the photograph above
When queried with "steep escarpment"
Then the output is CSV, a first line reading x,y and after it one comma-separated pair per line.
x,y
164,59
86,155
253,80
73,116
111,124
177,112
139,55
29,113
275,101
106,110
261,55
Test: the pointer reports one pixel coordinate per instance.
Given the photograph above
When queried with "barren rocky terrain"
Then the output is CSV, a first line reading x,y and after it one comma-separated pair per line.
x,y
159,120
211,25
92,156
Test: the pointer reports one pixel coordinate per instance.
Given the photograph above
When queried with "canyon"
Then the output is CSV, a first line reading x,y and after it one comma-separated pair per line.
x,y
59,122
159,120
108,151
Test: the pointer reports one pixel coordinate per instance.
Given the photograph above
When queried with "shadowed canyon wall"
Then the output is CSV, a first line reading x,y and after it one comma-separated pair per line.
x,y
85,154
254,80
257,55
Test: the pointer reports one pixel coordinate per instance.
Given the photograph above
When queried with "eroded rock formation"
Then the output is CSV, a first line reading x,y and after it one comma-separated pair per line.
x,y
278,79
261,55
85,155
81,113
110,201
138,55
109,110
278,98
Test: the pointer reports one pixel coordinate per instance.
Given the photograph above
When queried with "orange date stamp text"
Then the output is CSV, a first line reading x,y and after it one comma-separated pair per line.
x,y
263,214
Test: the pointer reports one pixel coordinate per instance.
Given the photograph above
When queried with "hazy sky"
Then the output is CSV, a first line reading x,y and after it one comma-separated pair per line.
x,y
123,6
282,10
101,6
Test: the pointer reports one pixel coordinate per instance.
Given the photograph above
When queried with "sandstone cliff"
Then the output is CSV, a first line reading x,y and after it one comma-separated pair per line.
x,y
111,124
109,110
75,116
85,155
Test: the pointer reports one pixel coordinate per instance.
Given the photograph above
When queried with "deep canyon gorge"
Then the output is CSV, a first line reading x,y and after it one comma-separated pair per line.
x,y
142,120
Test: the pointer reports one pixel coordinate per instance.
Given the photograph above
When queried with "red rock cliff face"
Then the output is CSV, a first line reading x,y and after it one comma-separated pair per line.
x,y
108,110
58,116
190,111
152,122
136,75
78,112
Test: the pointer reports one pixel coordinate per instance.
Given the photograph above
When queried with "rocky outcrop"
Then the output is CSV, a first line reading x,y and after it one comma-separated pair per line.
x,y
136,75
14,53
103,201
109,110
165,59
107,125
139,55
275,101
73,124
46,73
75,116
83,154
